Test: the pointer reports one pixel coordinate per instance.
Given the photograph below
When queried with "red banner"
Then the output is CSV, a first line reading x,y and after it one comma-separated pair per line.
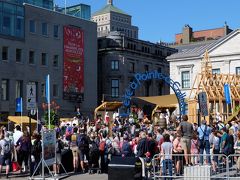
x,y
73,61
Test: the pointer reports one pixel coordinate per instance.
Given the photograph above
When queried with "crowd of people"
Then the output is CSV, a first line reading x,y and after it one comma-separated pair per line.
x,y
94,142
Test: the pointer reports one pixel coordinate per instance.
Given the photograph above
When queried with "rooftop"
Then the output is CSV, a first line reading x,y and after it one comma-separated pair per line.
x,y
109,8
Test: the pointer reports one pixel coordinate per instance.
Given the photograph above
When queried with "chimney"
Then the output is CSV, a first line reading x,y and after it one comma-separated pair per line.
x,y
187,34
110,2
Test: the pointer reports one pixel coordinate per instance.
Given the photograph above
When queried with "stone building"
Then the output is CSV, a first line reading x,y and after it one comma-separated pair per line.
x,y
31,46
224,54
110,18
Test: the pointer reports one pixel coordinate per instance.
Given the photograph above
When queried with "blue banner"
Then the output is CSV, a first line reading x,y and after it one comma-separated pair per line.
x,y
48,89
227,93
19,106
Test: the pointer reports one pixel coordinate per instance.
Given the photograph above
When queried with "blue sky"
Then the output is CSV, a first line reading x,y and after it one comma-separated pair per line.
x,y
162,19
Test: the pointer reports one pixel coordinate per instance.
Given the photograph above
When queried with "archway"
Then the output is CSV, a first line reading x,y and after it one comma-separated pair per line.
x,y
141,77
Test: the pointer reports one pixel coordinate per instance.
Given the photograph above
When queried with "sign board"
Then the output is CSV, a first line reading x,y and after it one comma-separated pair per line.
x,y
48,145
31,96
202,100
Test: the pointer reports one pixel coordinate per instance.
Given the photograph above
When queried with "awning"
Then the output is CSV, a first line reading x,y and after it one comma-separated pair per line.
x,y
108,106
19,119
162,101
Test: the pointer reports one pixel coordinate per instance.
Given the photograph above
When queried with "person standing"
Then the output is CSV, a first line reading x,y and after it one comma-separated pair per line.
x,y
186,130
203,133
16,136
166,152
83,145
177,154
23,146
6,149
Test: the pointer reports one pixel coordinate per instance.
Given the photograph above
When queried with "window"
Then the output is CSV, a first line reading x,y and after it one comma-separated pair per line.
x,y
216,71
44,59
44,29
43,90
147,87
160,88
115,88
31,57
131,67
55,90
18,55
146,68
5,89
4,53
19,88
32,26
6,23
115,65
237,70
185,79
55,31
19,26
55,61
11,19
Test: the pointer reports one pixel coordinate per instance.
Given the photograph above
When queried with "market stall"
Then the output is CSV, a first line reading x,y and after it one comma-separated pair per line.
x,y
22,120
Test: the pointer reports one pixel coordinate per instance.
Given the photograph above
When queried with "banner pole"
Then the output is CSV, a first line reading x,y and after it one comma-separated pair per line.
x,y
21,112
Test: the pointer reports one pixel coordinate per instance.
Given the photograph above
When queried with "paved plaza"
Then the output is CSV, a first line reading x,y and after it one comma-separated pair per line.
x,y
70,177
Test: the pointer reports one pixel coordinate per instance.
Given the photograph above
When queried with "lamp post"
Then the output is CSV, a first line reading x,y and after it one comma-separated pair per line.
x,y
65,6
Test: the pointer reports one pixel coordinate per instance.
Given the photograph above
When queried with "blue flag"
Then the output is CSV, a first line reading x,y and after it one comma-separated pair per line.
x,y
227,93
48,88
19,105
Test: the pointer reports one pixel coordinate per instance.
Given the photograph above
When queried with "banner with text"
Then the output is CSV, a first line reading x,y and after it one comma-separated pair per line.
x,y
73,63
49,142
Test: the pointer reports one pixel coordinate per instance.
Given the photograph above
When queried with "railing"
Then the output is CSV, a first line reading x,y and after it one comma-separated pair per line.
x,y
219,167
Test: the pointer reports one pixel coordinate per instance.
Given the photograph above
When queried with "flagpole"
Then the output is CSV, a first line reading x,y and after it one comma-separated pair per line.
x,y
48,94
37,118
21,111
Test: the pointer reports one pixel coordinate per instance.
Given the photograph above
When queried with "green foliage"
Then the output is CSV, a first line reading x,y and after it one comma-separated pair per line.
x,y
237,108
52,117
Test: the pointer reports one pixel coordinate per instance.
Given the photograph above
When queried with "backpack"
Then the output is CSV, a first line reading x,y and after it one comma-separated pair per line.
x,y
93,147
69,131
37,147
6,147
126,149
81,141
59,146
102,146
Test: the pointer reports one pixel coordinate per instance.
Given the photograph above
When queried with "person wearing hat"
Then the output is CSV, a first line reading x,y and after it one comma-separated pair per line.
x,y
203,134
6,150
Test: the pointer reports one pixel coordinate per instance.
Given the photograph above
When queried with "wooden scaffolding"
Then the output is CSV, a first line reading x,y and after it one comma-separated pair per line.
x,y
213,85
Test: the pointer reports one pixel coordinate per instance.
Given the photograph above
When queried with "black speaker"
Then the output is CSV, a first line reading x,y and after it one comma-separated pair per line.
x,y
121,168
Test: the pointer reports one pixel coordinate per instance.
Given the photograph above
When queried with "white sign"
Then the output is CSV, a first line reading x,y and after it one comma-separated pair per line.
x,y
31,96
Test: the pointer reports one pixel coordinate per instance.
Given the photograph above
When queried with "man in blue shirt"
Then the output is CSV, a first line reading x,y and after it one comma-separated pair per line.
x,y
203,136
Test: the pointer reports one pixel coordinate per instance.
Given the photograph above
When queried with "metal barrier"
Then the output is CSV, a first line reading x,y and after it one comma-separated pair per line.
x,y
203,167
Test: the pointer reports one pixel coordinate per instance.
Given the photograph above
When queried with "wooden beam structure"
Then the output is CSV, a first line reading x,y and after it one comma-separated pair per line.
x,y
213,85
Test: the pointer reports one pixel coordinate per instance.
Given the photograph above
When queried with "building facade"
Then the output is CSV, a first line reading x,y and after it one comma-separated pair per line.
x,y
121,54
110,18
224,54
120,57
189,36
35,48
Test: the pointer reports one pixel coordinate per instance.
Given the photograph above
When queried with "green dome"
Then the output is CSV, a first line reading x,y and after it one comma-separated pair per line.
x,y
107,9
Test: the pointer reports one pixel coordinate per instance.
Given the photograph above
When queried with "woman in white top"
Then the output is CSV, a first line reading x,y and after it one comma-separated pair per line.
x,y
166,152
